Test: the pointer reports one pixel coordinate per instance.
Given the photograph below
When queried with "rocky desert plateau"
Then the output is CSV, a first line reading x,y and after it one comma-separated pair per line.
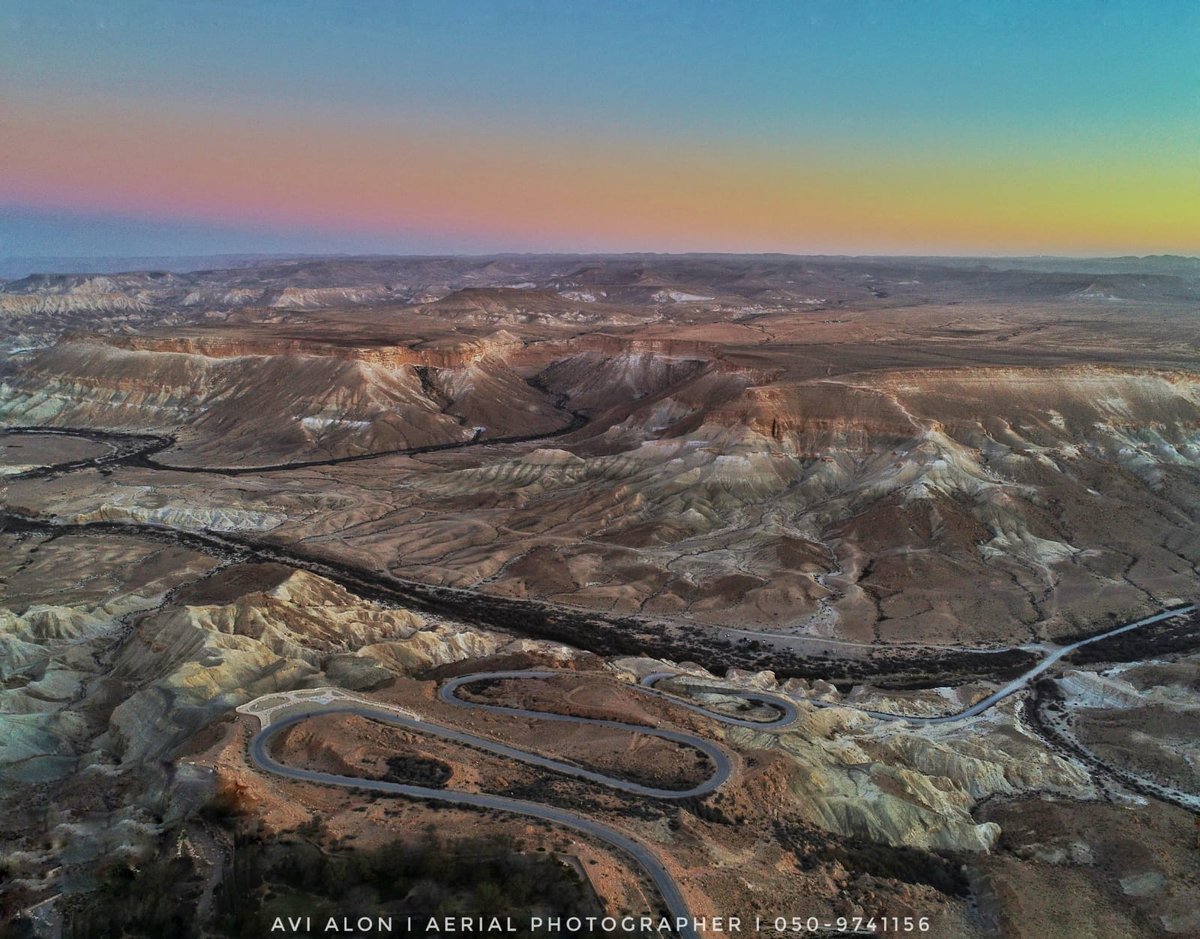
x,y
748,595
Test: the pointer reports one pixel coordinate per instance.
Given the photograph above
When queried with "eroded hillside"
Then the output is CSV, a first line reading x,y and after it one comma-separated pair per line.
x,y
834,449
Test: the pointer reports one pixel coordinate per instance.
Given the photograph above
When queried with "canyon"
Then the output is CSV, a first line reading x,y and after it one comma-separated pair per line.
x,y
862,485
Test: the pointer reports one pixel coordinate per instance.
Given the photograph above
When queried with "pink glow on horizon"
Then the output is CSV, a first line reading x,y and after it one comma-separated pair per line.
x,y
345,174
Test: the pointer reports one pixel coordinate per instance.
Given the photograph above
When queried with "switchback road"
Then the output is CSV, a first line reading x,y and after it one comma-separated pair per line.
x,y
260,753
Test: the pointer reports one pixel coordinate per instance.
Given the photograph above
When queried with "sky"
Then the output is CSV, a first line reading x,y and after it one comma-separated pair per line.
x,y
454,126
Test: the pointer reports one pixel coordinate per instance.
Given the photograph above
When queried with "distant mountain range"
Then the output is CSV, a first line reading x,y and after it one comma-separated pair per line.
x,y
16,267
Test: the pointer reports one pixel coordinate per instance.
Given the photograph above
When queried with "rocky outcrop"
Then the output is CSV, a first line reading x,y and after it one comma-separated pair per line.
x,y
245,631
195,661
886,782
232,344
314,298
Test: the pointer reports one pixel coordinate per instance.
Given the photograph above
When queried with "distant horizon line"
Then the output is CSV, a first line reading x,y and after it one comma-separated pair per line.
x,y
311,255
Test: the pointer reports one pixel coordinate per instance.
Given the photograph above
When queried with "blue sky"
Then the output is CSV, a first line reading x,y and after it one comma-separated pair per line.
x,y
987,90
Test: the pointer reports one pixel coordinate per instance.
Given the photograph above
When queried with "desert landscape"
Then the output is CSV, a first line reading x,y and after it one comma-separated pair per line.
x,y
818,592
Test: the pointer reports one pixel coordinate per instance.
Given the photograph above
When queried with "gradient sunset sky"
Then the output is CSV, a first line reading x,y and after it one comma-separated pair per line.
x,y
160,128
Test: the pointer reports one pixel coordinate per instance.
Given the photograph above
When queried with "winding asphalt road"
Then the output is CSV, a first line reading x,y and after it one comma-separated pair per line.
x,y
260,753
1021,681
788,712
1044,665
139,450
633,848
642,855
720,760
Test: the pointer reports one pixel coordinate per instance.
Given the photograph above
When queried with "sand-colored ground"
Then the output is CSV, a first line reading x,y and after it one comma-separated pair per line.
x,y
22,452
1092,870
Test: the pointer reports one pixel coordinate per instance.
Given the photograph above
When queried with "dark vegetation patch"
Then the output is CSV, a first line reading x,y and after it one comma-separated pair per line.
x,y
1155,640
1107,622
294,874
1045,708
942,669
417,771
156,898
814,849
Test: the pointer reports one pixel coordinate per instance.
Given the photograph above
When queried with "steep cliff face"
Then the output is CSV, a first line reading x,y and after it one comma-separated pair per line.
x,y
238,402
241,395
1033,403
997,406
91,302
241,408
813,418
